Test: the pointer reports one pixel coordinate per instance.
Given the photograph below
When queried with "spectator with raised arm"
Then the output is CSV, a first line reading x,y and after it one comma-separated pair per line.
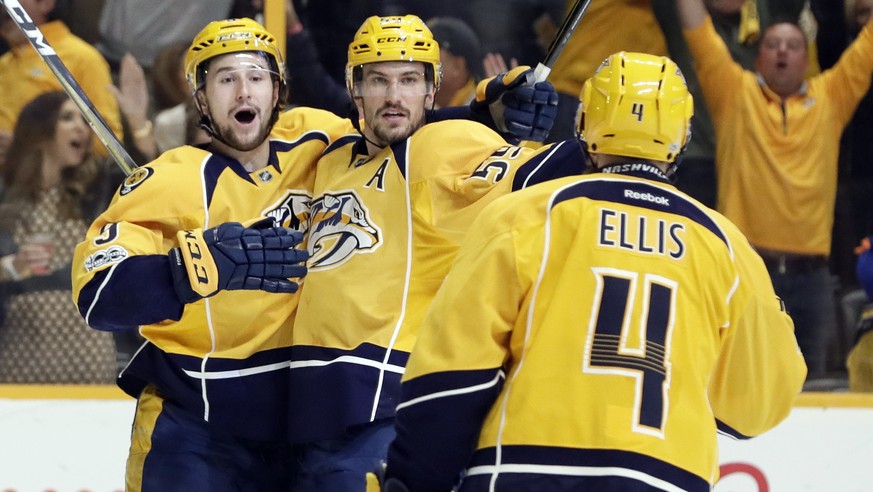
x,y
777,146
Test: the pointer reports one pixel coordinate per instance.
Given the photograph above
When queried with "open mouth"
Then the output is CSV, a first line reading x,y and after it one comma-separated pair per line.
x,y
245,116
77,144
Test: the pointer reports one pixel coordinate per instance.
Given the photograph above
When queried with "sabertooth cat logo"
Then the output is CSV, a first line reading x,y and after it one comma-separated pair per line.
x,y
340,229
291,211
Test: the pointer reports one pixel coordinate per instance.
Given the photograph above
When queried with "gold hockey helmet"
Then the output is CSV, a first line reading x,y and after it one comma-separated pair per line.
x,y
231,36
636,105
394,38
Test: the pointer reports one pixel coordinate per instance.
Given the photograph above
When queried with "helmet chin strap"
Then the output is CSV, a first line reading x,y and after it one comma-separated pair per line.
x,y
355,116
205,121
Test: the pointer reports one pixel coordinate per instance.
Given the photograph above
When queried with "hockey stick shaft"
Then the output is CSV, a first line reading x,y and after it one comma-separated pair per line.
x,y
71,87
542,70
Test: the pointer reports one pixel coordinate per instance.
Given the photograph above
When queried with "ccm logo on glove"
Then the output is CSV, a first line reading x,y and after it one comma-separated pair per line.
x,y
235,257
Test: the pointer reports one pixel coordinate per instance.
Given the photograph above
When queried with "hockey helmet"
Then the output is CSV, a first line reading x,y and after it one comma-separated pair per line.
x,y
231,36
395,38
636,105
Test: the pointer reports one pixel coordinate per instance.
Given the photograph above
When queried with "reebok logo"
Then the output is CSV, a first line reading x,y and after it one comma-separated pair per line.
x,y
648,197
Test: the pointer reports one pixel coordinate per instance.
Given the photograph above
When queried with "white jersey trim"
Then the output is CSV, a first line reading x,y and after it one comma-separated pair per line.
x,y
574,471
454,392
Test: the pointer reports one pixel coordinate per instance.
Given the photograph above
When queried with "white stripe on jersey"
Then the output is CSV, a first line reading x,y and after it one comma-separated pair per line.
x,y
575,471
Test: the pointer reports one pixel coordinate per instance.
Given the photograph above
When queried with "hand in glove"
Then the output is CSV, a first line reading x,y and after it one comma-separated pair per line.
x,y
232,256
518,105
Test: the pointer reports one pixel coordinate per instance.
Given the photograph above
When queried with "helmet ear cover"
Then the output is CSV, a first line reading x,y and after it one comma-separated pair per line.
x,y
394,38
636,105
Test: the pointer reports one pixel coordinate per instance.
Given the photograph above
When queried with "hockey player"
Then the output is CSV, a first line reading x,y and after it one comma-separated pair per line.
x,y
212,298
167,257
595,332
390,207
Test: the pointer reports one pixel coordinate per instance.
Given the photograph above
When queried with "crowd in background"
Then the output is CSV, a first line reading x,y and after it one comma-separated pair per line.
x,y
55,175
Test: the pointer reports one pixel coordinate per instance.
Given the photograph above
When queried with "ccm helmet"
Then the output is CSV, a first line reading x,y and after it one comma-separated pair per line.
x,y
636,105
396,38
231,36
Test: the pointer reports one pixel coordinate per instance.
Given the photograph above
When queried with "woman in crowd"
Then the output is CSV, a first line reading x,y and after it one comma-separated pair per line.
x,y
53,187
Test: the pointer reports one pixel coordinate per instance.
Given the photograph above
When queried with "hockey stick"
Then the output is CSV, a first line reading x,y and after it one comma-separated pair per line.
x,y
542,70
72,88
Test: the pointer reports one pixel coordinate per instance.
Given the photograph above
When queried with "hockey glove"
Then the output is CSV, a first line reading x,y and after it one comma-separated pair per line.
x,y
517,104
235,257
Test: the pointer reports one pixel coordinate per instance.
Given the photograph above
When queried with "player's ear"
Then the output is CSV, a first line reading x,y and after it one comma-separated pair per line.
x,y
276,92
200,99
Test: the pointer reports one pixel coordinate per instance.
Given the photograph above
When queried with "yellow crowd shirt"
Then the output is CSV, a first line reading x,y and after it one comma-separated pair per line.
x,y
384,230
594,333
776,159
608,26
24,75
225,356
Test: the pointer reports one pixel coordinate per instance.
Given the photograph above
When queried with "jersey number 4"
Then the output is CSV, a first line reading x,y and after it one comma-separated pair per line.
x,y
615,347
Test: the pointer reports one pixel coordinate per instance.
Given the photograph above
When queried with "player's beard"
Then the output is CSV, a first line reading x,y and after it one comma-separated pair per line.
x,y
227,135
391,134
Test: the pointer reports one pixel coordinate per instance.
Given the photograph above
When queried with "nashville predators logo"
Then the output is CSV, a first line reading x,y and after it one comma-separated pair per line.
x,y
291,211
136,178
340,228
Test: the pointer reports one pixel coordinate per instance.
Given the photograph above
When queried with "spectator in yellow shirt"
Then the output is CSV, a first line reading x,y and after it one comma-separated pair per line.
x,y
24,75
777,147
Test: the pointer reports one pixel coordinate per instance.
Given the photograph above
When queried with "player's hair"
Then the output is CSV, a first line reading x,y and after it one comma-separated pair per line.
x,y
636,105
394,38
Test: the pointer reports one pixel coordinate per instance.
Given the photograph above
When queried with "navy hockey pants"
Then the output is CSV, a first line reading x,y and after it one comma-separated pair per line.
x,y
173,450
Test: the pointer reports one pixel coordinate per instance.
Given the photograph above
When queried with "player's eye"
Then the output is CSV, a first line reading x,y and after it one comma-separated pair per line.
x,y
377,82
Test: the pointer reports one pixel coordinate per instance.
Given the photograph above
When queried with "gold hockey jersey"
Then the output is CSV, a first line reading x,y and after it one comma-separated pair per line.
x,y
594,333
225,356
383,232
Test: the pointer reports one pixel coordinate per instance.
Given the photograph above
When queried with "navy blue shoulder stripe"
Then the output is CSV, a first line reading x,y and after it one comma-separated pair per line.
x,y
640,194
563,159
285,146
399,150
353,138
216,165
277,146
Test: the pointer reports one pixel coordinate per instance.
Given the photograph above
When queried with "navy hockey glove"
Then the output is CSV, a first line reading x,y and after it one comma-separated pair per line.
x,y
518,105
235,257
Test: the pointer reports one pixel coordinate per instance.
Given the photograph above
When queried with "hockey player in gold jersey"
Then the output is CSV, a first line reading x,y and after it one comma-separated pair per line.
x,y
390,207
169,257
595,332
